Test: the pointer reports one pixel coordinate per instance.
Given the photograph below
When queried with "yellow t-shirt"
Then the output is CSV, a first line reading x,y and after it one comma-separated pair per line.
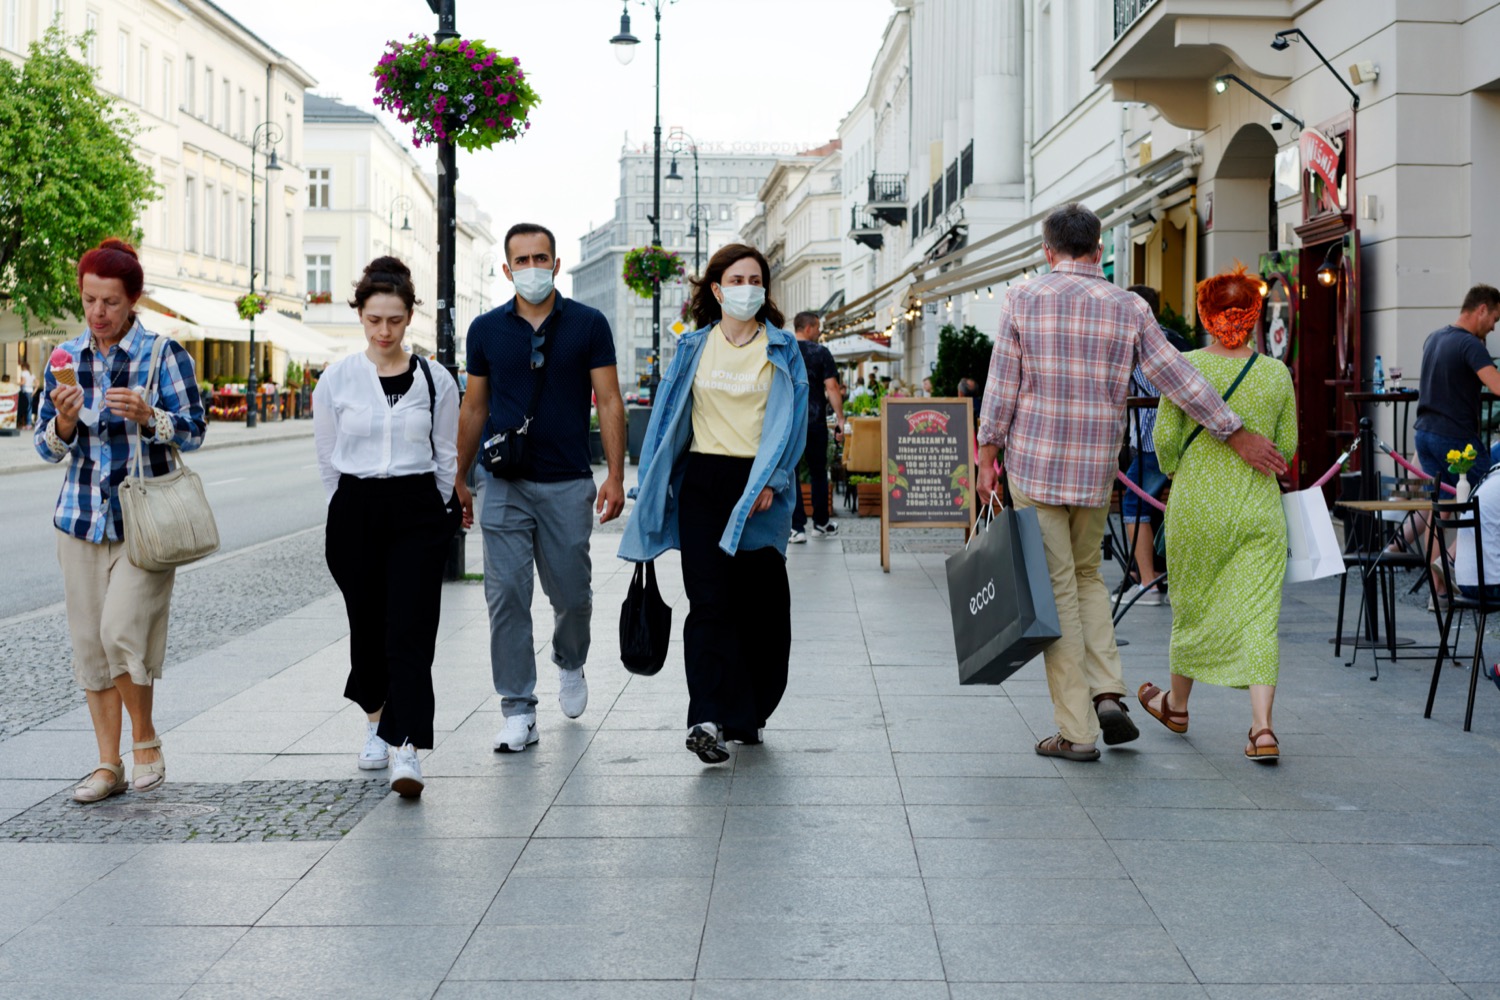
x,y
729,395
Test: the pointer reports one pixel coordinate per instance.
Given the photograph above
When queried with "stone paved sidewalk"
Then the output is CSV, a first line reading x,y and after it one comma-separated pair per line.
x,y
894,838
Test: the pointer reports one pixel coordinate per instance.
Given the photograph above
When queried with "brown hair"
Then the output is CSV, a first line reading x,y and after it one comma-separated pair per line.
x,y
115,259
1481,295
385,276
705,308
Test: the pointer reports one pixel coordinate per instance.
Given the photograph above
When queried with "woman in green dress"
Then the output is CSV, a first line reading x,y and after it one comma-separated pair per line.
x,y
1226,532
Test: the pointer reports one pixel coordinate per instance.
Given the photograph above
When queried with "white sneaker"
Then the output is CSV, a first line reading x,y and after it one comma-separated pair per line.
x,y
518,733
798,537
572,692
707,742
406,773
828,530
377,752
1149,599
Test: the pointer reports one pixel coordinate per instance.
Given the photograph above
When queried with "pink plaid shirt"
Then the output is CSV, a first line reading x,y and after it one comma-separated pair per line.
x,y
1060,375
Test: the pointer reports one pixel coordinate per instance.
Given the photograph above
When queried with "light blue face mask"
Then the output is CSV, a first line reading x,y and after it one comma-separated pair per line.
x,y
742,302
533,284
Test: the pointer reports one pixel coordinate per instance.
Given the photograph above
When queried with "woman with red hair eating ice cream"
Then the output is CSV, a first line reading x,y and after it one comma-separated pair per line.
x,y
1226,531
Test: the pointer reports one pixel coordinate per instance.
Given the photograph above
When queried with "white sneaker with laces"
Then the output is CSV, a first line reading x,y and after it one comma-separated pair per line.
x,y
1149,599
828,530
707,742
406,772
518,733
572,692
797,537
377,752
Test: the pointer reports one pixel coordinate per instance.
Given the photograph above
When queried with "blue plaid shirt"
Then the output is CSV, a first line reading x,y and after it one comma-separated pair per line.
x,y
99,456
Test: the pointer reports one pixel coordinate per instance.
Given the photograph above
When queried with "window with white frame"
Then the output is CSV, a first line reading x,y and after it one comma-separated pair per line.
x,y
208,95
168,98
640,184
723,213
242,245
143,76
226,221
291,248
241,129
289,157
189,85
10,29
318,187
224,107
91,50
122,53
59,12
210,228
255,121
190,214
319,273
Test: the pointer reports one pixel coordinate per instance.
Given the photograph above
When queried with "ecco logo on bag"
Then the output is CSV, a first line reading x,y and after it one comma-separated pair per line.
x,y
980,600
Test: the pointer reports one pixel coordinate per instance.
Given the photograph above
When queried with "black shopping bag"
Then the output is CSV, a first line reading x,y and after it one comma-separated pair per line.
x,y
645,623
1000,594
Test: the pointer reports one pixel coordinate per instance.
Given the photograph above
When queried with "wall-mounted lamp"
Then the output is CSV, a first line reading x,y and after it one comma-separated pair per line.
x,y
1222,84
991,291
1283,39
1328,273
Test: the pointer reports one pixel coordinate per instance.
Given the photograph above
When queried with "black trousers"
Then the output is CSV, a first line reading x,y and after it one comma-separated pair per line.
x,y
738,634
386,544
817,476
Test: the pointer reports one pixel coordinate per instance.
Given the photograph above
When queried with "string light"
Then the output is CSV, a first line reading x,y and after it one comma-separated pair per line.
x,y
990,289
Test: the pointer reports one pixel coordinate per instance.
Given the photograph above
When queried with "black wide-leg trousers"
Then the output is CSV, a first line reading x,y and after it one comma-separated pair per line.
x,y
738,635
387,540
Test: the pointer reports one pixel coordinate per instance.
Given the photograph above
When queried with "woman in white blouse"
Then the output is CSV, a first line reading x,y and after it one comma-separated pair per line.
x,y
386,425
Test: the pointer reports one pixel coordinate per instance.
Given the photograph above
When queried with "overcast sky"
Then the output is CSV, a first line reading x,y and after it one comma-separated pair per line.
x,y
783,71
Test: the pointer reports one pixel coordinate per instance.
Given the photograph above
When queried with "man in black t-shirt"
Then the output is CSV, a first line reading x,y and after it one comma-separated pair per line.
x,y
1455,365
822,389
540,350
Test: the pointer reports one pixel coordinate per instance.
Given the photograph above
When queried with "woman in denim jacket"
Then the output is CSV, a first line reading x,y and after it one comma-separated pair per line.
x,y
717,481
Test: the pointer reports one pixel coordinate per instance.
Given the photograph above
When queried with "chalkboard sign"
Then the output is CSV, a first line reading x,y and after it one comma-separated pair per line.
x,y
927,465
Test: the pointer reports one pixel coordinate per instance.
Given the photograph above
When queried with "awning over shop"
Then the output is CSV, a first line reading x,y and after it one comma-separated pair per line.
x,y
168,326
299,340
855,348
220,320
12,331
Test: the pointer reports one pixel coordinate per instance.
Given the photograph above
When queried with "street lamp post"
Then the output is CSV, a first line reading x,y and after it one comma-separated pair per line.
x,y
268,133
678,136
404,204
624,44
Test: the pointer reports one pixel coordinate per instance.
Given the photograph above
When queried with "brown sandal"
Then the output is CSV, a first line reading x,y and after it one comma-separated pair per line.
x,y
1173,720
1260,754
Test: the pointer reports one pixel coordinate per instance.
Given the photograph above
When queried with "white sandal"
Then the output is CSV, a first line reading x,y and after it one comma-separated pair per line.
x,y
144,777
93,788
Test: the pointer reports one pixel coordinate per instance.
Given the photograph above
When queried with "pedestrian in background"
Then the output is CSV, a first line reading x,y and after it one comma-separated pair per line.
x,y
540,350
718,480
1226,529
385,423
96,416
1055,402
28,397
823,391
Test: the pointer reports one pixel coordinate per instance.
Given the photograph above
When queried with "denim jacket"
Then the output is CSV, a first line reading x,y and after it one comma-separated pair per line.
x,y
653,525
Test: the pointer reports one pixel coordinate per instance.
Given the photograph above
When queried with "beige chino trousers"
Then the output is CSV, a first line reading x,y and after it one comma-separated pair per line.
x,y
1085,662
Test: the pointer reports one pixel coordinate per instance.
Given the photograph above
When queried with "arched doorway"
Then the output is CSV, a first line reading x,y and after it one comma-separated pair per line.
x,y
1241,222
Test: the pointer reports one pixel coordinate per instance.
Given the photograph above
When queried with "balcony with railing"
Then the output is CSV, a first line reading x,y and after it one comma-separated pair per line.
x,y
865,230
1126,13
887,198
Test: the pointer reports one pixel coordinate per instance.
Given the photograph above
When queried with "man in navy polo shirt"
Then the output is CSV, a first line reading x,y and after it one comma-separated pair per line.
x,y
543,515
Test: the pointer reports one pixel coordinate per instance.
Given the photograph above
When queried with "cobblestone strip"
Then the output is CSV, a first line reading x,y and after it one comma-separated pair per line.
x,y
203,813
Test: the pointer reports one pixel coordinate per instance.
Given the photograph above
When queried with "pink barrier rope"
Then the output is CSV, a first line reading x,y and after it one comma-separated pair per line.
x,y
1132,487
1411,468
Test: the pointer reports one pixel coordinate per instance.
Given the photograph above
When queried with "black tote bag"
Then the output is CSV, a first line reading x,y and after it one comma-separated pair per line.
x,y
1000,595
645,623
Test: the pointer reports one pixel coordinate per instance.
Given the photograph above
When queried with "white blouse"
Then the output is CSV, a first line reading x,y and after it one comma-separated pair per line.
x,y
358,433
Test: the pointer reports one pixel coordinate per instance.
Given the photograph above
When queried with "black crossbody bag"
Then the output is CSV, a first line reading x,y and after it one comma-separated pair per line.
x,y
506,454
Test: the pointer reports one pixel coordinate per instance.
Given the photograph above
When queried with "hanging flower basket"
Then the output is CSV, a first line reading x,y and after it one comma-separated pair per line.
x,y
648,266
686,312
251,305
319,298
460,91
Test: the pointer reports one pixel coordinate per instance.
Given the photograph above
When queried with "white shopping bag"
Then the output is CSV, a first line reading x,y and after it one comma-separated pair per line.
x,y
1312,547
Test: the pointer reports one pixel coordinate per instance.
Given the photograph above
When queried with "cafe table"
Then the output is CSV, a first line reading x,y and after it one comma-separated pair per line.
x,y
1374,560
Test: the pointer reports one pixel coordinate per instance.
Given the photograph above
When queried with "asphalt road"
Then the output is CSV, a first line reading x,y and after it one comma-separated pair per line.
x,y
259,493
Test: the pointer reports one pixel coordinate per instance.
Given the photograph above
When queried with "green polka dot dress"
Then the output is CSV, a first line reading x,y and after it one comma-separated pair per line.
x,y
1226,532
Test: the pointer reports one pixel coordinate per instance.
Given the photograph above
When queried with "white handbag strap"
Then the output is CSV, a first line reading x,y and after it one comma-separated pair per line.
x,y
153,381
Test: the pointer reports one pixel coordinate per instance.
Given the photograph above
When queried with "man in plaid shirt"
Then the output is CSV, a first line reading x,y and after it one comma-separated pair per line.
x,y
98,447
1055,404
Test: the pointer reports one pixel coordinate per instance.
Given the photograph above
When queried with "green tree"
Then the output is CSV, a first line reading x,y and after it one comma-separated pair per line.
x,y
68,175
961,354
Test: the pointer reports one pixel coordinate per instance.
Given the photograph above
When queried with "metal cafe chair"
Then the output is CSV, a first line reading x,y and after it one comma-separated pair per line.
x,y
1459,517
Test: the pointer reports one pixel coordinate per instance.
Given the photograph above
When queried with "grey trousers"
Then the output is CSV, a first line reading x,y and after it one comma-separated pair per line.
x,y
546,525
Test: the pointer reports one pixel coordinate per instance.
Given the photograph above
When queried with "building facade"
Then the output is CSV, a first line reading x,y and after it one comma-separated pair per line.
x,y
368,197
799,226
729,179
201,84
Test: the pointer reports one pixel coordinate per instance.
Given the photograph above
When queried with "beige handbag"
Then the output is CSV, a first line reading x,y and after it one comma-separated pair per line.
x,y
168,521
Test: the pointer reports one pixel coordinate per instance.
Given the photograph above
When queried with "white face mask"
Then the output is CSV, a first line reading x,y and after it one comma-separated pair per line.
x,y
533,284
742,302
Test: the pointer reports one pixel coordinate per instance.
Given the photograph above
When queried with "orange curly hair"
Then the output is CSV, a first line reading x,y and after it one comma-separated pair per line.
x,y
1229,305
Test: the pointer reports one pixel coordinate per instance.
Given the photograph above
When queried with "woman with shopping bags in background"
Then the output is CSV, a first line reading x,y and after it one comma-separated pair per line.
x,y
1226,526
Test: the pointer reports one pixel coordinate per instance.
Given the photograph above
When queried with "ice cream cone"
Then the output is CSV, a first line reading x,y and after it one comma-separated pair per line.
x,y
65,376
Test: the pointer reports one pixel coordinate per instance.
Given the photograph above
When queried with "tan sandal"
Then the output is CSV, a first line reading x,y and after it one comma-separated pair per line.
x,y
1167,716
144,777
93,788
1260,754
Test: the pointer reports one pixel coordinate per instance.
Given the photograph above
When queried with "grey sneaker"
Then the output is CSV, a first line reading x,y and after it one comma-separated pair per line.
x,y
797,537
406,773
572,692
377,752
707,742
518,733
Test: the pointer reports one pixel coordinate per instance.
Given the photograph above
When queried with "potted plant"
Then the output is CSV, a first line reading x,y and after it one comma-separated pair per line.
x,y
868,493
459,90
